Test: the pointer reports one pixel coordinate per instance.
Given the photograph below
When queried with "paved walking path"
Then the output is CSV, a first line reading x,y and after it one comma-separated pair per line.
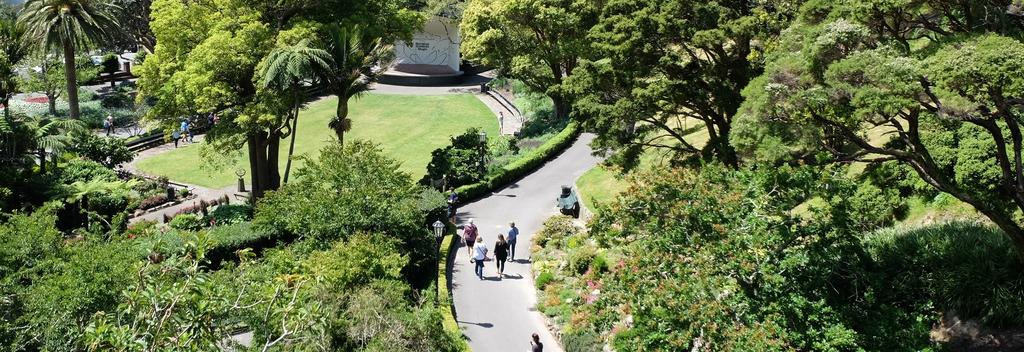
x,y
500,314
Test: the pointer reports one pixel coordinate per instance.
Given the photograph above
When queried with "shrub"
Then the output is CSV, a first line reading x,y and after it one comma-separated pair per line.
x,y
235,235
522,166
231,214
543,279
872,207
85,171
153,201
580,259
140,229
187,222
582,341
555,230
968,268
600,263
110,152
117,100
459,162
110,63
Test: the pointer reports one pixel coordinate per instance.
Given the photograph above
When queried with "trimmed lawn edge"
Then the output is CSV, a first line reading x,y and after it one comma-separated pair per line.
x,y
522,166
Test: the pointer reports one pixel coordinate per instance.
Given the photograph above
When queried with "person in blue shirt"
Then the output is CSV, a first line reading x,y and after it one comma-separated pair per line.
x,y
185,132
513,232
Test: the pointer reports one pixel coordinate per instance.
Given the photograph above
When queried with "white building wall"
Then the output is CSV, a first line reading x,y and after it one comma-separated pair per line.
x,y
436,44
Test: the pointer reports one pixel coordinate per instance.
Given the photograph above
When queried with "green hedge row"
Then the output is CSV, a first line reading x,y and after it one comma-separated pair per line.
x,y
444,297
522,166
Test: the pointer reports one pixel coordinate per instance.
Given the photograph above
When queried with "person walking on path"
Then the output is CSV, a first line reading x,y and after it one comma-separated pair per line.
x,y
453,199
184,129
108,125
469,233
500,255
513,233
535,344
480,256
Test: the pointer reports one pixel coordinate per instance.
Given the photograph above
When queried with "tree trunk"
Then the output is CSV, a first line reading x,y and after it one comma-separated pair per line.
x,y
51,100
1006,223
71,76
255,170
291,145
273,153
340,124
562,107
726,153
42,161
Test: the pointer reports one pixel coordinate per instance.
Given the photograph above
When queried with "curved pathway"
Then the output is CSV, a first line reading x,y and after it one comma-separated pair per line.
x,y
500,314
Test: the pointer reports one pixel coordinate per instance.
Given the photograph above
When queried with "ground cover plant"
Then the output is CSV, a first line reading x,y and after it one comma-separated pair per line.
x,y
715,260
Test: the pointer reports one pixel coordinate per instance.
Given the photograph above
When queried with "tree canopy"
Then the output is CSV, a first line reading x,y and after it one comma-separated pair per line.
x,y
937,86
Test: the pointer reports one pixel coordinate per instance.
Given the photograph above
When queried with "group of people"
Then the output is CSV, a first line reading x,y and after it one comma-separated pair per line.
x,y
504,247
504,251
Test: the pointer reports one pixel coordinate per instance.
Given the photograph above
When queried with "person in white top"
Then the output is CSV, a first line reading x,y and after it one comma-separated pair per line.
x,y
479,256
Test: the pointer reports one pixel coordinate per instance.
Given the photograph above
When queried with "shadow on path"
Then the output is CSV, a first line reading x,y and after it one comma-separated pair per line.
x,y
483,325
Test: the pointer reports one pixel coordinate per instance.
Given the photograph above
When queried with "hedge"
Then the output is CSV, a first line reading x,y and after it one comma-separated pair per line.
x,y
444,300
522,166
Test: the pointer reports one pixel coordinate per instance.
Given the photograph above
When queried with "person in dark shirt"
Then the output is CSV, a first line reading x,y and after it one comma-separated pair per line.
x,y
500,253
535,343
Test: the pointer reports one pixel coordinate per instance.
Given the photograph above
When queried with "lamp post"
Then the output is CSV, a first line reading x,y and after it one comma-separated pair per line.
x,y
438,227
483,142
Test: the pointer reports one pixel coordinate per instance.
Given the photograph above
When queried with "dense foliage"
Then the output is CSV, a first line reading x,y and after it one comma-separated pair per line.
x,y
713,260
536,42
937,86
352,189
460,163
656,64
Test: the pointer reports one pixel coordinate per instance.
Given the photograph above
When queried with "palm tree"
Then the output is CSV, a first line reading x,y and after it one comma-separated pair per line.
x,y
14,50
51,133
285,69
358,59
68,25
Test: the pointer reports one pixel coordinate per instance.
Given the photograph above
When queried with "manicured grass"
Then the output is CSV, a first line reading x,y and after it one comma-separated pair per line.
x,y
407,127
600,185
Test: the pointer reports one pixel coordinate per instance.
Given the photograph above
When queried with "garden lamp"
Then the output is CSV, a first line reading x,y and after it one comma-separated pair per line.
x,y
438,229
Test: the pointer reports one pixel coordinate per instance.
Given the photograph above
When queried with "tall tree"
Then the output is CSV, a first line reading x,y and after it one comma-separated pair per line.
x,y
50,80
358,58
133,16
14,50
68,25
284,70
665,69
206,61
538,42
937,86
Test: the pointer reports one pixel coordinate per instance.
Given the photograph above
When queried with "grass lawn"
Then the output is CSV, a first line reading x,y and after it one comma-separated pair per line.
x,y
601,185
407,127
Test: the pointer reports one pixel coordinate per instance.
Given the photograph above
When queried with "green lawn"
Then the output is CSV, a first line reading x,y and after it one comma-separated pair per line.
x,y
407,127
602,185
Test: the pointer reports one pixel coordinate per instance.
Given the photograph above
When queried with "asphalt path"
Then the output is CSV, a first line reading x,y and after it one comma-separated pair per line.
x,y
500,314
